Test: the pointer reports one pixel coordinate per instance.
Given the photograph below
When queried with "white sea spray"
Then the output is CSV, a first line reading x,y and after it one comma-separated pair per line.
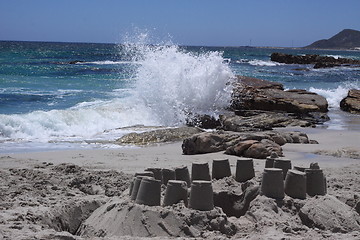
x,y
166,83
173,82
335,95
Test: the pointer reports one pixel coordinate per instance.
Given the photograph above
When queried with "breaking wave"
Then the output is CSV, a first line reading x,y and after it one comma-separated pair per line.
x,y
335,95
167,83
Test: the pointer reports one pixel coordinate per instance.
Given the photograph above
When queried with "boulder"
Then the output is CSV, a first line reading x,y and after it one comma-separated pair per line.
x,y
255,149
238,143
329,213
351,103
205,143
251,94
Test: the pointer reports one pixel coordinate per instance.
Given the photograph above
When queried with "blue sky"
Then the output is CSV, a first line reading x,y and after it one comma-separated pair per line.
x,y
189,22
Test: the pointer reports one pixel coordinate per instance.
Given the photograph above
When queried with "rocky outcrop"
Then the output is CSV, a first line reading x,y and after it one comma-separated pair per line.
x,y
317,60
257,94
351,103
255,120
246,144
158,136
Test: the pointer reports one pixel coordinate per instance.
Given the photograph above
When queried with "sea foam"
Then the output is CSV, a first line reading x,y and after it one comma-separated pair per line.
x,y
174,83
334,96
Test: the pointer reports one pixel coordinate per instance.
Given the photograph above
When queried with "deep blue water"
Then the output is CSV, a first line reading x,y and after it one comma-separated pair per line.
x,y
67,92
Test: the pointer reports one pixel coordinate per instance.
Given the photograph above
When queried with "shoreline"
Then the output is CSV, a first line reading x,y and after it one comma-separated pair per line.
x,y
339,121
130,160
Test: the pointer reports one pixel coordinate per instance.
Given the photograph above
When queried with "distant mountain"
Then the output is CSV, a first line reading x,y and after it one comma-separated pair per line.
x,y
346,39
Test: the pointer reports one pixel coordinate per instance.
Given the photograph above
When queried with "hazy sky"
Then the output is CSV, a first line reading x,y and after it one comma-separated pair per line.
x,y
188,22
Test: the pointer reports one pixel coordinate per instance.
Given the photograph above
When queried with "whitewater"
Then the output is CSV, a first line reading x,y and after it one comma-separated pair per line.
x,y
47,103
164,85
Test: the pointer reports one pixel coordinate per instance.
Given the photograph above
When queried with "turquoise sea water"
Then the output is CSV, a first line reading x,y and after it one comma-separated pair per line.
x,y
69,95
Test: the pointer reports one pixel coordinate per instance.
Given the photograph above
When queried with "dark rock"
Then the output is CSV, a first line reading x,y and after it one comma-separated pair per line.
x,y
76,61
203,121
329,213
351,103
317,60
316,117
301,69
255,94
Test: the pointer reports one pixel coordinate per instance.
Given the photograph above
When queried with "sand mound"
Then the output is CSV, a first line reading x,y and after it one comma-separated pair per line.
x,y
121,217
328,213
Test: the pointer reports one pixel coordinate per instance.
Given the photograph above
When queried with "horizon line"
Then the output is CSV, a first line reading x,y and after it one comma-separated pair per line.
x,y
181,45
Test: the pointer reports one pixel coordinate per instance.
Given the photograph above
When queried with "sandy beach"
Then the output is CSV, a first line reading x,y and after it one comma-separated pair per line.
x,y
337,153
126,120
336,148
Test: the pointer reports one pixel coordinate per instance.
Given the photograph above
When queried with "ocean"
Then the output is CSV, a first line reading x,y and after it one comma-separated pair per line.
x,y
84,95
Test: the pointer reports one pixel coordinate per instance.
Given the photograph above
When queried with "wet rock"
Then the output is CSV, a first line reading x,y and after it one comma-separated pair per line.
x,y
329,213
158,136
351,103
251,94
319,61
203,121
